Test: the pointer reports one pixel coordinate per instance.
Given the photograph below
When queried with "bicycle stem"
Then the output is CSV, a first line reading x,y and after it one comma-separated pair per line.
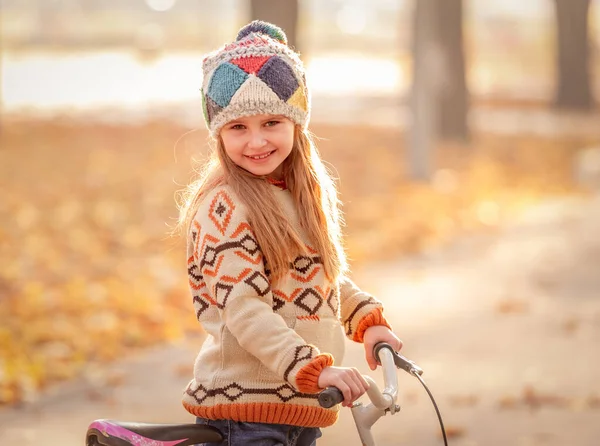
x,y
366,416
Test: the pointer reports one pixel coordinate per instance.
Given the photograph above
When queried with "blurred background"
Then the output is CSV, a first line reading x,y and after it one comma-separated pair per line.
x,y
465,135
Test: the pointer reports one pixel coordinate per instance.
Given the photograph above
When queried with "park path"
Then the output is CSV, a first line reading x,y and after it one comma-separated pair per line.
x,y
505,324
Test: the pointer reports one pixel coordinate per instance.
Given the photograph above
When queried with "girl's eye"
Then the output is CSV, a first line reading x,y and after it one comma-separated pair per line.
x,y
271,123
237,127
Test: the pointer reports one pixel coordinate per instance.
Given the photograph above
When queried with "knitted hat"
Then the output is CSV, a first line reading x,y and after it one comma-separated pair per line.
x,y
256,74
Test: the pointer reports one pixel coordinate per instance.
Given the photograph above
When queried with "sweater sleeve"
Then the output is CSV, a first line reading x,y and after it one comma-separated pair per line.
x,y
229,261
359,310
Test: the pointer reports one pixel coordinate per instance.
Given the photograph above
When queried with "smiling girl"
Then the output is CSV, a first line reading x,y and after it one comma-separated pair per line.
x,y
265,264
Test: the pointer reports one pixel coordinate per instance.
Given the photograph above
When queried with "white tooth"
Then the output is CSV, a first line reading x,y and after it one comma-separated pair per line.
x,y
261,156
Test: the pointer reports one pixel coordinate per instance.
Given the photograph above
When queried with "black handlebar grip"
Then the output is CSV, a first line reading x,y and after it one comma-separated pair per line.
x,y
330,397
378,348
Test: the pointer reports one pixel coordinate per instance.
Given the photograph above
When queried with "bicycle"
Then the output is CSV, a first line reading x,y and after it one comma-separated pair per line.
x,y
117,433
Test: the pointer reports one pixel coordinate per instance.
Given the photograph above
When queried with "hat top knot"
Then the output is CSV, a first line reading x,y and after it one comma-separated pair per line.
x,y
260,27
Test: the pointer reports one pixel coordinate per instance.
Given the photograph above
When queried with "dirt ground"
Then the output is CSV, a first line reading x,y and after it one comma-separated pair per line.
x,y
506,326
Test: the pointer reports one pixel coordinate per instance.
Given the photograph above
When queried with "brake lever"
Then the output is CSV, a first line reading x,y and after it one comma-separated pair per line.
x,y
401,362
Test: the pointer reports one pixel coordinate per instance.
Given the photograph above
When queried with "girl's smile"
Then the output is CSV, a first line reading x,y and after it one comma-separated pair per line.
x,y
261,157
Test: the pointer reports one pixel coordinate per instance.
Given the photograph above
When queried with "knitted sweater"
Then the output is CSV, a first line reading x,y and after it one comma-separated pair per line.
x,y
266,345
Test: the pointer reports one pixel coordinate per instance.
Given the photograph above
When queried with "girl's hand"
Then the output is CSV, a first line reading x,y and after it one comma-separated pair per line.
x,y
375,334
348,379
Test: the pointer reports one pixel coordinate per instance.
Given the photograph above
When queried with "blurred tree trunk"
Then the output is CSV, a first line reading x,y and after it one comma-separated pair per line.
x,y
453,103
573,55
439,96
423,94
283,13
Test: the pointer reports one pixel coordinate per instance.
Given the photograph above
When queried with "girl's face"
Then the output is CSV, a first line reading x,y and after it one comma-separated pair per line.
x,y
259,143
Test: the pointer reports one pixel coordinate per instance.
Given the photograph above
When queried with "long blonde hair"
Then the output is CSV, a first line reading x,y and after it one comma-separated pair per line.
x,y
314,195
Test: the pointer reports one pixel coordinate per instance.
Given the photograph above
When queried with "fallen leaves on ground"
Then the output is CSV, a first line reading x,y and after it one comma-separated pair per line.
x,y
463,400
454,432
511,306
535,399
89,271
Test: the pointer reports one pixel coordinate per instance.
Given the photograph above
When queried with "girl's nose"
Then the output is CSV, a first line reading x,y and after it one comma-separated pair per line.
x,y
257,139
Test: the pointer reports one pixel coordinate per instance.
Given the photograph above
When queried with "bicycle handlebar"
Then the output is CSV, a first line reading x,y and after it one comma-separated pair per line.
x,y
331,396
381,402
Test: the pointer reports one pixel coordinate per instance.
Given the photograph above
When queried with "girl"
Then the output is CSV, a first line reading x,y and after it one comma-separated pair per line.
x,y
265,259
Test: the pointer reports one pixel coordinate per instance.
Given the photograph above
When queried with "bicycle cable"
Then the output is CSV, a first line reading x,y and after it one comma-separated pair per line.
x,y
437,411
413,369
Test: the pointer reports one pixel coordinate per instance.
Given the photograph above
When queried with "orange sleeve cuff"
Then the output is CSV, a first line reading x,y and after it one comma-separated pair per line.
x,y
375,317
307,377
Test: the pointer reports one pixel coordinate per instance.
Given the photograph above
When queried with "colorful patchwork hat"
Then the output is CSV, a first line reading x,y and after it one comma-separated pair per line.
x,y
256,74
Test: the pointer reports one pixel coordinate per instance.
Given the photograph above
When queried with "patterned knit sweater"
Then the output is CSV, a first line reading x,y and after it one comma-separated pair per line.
x,y
266,346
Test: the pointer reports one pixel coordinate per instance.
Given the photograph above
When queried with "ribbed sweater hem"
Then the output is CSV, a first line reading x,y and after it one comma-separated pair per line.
x,y
272,413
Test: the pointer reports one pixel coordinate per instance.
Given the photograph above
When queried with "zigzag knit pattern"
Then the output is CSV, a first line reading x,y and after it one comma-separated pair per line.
x,y
257,74
266,345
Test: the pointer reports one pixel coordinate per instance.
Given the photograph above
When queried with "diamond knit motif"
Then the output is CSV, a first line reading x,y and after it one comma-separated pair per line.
x,y
225,81
285,393
306,268
249,244
222,292
250,64
278,75
209,256
220,211
199,394
303,264
259,283
310,301
250,250
233,391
